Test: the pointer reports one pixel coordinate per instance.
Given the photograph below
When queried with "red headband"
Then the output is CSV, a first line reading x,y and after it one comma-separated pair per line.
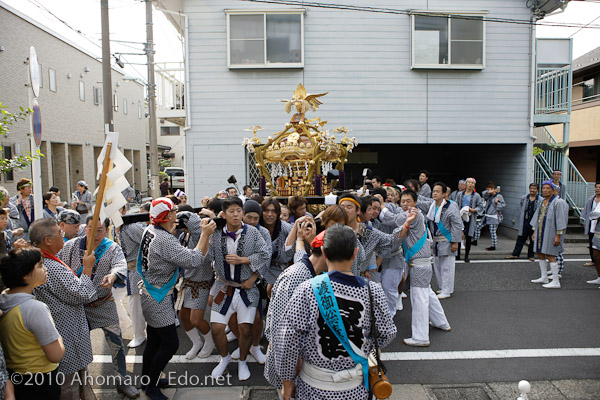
x,y
318,241
159,211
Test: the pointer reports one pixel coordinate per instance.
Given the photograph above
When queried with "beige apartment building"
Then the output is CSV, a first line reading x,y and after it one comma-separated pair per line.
x,y
584,138
70,101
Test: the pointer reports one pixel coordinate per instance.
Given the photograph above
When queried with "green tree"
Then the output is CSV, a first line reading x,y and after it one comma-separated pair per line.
x,y
7,120
164,163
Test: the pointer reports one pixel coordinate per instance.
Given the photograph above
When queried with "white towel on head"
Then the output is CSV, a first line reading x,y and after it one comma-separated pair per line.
x,y
464,213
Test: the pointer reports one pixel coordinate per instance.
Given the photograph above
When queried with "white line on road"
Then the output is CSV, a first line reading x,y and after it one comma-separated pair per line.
x,y
409,356
486,354
517,261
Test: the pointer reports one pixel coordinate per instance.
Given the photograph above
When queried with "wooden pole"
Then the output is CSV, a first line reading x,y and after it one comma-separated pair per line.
x,y
99,199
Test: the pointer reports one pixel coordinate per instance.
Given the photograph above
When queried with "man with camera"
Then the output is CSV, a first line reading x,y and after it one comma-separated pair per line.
x,y
159,259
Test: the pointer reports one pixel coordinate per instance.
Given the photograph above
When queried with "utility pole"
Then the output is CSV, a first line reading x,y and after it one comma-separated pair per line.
x,y
154,184
106,69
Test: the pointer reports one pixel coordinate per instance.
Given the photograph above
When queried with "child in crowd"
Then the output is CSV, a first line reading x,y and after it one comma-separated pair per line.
x,y
29,338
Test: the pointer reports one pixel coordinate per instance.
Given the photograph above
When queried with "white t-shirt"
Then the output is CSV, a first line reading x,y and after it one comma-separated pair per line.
x,y
595,208
232,246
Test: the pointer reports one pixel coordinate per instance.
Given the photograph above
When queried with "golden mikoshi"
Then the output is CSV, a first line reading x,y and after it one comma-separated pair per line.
x,y
294,159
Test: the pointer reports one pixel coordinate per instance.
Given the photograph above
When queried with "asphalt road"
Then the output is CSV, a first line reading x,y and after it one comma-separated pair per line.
x,y
494,307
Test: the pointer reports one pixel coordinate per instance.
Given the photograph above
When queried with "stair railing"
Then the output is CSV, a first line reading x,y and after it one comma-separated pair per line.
x,y
578,189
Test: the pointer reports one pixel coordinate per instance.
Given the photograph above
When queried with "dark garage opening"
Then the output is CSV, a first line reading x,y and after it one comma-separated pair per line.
x,y
505,164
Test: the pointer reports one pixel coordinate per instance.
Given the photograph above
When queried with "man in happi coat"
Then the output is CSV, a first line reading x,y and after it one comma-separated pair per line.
x,y
240,256
446,228
528,204
101,312
252,217
392,263
130,237
159,259
65,294
193,291
549,223
563,206
426,307
328,370
470,205
308,267
492,216
370,239
592,205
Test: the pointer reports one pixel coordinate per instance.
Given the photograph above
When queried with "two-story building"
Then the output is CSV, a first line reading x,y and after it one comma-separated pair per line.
x,y
70,101
584,138
437,85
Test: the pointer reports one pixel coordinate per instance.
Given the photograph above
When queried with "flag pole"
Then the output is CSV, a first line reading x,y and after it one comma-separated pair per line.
x,y
99,199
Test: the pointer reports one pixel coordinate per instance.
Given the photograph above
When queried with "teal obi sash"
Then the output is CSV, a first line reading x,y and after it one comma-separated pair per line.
x,y
158,293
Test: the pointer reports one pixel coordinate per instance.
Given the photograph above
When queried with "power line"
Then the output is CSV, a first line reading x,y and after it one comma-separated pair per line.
x,y
439,14
44,9
578,30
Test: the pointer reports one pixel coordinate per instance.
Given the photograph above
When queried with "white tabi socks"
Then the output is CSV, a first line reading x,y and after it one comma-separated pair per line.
x,y
221,366
209,345
555,284
544,272
196,343
399,306
243,371
258,354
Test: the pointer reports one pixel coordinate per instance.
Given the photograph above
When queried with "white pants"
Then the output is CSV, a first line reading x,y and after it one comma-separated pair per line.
x,y
390,279
444,267
124,320
426,307
137,318
245,315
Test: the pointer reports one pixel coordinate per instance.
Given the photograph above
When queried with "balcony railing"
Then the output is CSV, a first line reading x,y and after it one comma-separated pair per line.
x,y
552,90
170,88
584,100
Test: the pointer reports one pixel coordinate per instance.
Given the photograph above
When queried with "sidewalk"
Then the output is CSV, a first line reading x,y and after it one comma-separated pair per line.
x,y
507,244
569,389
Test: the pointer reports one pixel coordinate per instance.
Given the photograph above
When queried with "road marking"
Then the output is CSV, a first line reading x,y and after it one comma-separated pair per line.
x,y
408,356
487,354
517,261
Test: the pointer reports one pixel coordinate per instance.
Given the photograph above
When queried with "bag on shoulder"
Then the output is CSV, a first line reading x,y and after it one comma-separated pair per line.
x,y
81,208
380,385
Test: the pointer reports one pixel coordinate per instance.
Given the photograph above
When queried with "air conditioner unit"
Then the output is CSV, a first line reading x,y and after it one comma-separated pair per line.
x,y
547,6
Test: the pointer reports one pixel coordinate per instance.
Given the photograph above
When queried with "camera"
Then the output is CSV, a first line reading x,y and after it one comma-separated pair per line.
x,y
219,221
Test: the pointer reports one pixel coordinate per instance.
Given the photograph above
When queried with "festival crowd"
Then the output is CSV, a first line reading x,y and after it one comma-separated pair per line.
x,y
312,296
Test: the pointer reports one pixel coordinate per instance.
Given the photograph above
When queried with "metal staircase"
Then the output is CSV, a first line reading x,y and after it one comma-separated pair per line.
x,y
578,189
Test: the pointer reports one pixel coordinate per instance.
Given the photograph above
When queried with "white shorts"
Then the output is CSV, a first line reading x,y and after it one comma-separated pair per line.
x,y
245,315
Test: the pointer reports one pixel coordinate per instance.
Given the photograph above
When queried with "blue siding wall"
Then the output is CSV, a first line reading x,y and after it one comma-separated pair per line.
x,y
363,61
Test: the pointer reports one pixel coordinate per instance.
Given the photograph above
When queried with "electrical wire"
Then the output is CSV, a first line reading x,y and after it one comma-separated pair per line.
x,y
579,30
44,9
439,14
